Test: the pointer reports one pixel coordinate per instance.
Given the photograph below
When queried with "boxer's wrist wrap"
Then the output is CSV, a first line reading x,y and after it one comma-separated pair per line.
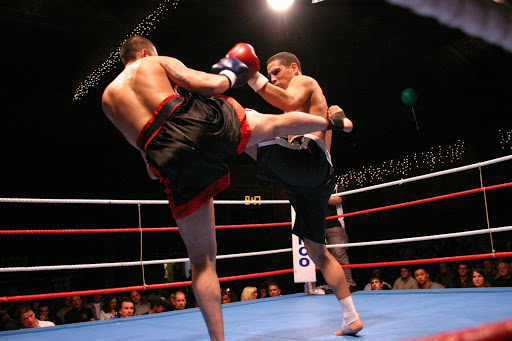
x,y
257,81
230,75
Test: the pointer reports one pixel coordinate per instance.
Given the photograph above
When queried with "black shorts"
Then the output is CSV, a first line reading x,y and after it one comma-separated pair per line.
x,y
304,169
186,142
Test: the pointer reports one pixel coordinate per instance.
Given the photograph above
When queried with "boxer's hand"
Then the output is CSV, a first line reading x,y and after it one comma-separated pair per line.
x,y
246,54
333,109
235,70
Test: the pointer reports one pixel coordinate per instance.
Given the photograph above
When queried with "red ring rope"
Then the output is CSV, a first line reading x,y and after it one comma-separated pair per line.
x,y
240,277
221,227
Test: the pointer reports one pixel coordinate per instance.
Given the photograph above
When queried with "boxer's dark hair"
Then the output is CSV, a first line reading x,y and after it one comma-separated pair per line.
x,y
132,46
286,59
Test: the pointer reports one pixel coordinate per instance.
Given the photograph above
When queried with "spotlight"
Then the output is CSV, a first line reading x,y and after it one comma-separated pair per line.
x,y
280,4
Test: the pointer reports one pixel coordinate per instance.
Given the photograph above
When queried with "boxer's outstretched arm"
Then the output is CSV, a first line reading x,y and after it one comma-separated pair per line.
x,y
200,82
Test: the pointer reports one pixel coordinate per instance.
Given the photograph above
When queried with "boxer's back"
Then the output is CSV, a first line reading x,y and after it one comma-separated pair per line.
x,y
130,100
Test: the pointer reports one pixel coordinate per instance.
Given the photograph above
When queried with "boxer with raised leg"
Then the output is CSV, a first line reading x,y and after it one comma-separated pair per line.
x,y
185,141
302,164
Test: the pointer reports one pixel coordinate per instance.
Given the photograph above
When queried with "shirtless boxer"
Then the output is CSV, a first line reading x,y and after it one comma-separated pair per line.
x,y
303,165
185,140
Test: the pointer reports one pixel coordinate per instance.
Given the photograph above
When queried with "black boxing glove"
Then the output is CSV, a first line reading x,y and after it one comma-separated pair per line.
x,y
236,71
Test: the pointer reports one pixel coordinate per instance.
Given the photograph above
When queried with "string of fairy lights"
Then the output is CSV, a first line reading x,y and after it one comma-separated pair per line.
x,y
433,159
143,28
505,137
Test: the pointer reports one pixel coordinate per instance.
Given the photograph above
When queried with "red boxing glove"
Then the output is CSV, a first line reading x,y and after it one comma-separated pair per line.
x,y
246,54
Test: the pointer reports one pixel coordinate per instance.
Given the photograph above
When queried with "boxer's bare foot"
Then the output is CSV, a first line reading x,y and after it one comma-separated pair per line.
x,y
352,329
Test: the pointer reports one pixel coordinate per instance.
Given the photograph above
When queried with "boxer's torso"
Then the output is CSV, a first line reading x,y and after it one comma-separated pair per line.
x,y
130,100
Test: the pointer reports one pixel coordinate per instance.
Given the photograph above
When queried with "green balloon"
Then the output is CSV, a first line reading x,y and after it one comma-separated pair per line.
x,y
409,96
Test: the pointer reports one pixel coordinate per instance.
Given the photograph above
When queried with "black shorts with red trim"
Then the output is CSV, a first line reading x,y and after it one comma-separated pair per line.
x,y
187,142
305,171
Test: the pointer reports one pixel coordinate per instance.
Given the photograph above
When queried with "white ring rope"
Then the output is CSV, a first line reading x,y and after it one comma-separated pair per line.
x,y
249,254
426,176
235,202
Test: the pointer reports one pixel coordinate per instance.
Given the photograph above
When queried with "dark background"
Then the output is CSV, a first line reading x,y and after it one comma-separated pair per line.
x,y
362,52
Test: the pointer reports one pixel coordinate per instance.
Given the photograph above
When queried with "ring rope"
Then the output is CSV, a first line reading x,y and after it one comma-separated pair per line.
x,y
422,201
248,254
141,260
426,176
233,202
486,209
165,229
240,277
418,239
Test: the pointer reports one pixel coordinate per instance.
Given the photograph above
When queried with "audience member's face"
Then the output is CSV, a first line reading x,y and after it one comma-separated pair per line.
x,y
421,276
127,309
488,266
97,298
478,280
28,320
67,301
404,273
443,267
273,291
76,302
171,298
43,312
226,299
180,301
113,304
504,269
135,296
254,295
263,292
463,270
376,284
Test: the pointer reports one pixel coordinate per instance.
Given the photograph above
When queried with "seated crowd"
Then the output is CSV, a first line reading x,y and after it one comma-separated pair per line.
x,y
18,315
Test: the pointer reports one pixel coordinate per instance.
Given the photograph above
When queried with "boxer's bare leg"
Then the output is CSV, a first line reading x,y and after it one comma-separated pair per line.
x,y
198,232
335,276
266,127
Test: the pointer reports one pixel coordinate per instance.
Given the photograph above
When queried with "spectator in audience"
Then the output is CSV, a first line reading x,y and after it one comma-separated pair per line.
x,y
335,233
180,300
273,289
35,306
171,298
405,281
140,308
479,278
505,277
249,293
26,317
6,321
110,308
95,305
376,272
228,296
159,305
127,309
462,280
377,283
262,291
490,270
445,277
78,313
60,316
44,312
423,278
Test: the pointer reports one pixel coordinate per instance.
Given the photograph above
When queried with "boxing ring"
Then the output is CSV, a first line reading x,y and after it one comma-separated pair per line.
x,y
440,314
389,315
